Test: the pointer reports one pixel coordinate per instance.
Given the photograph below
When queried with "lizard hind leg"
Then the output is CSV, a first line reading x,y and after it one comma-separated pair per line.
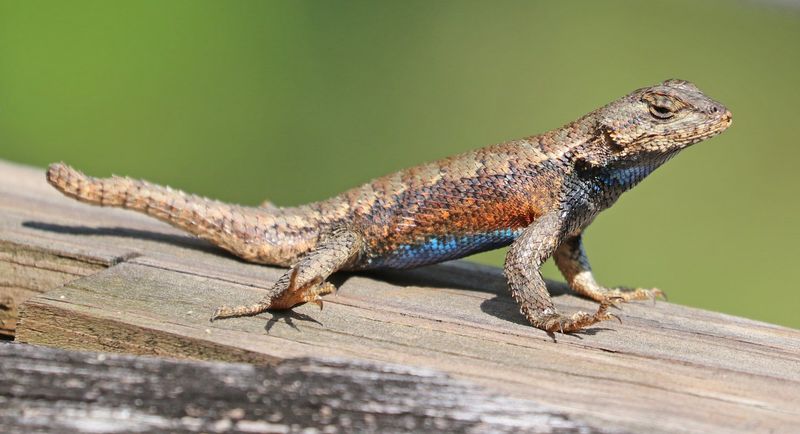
x,y
304,282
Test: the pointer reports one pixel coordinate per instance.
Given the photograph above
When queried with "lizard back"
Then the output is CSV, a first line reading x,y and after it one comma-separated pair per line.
x,y
476,201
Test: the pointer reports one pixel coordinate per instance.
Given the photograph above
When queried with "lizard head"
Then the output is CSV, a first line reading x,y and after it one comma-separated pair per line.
x,y
661,119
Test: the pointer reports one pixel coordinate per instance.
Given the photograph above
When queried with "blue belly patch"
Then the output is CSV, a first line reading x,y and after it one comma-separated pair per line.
x,y
442,248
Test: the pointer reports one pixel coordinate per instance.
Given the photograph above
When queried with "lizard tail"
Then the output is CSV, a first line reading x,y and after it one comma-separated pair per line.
x,y
164,203
251,233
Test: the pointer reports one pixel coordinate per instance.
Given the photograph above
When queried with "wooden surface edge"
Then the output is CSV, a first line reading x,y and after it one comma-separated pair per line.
x,y
94,392
76,331
29,270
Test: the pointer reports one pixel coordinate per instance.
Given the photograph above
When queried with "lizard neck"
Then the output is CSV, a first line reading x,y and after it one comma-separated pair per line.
x,y
617,178
600,187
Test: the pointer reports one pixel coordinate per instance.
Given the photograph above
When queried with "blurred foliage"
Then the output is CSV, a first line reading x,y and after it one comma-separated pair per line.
x,y
295,101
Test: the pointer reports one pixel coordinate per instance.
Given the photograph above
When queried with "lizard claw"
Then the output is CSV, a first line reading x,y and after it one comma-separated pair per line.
x,y
602,310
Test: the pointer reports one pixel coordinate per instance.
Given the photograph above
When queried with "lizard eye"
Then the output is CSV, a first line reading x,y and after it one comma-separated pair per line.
x,y
662,106
661,112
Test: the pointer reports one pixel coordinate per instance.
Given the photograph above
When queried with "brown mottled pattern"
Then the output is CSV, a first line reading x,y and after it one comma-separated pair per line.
x,y
537,193
497,187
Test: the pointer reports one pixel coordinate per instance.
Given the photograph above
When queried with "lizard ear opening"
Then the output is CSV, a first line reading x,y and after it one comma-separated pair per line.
x,y
600,150
617,134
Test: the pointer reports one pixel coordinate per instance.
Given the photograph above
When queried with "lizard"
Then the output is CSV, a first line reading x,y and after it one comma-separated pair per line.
x,y
537,194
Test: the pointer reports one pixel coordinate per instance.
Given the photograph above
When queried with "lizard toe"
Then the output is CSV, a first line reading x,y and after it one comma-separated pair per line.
x,y
629,294
223,312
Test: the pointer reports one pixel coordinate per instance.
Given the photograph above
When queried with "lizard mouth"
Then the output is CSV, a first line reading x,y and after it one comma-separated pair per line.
x,y
712,130
725,121
722,123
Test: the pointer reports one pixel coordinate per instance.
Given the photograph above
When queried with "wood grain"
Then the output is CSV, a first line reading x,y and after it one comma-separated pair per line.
x,y
147,289
141,394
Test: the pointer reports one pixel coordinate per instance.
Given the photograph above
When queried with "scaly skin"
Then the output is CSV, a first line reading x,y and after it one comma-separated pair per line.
x,y
537,194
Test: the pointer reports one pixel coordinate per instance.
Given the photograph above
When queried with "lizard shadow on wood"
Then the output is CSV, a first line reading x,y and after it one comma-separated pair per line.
x,y
440,276
119,231
434,276
288,317
501,306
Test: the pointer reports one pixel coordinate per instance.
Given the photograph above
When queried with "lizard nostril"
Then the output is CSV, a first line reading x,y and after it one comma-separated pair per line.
x,y
728,116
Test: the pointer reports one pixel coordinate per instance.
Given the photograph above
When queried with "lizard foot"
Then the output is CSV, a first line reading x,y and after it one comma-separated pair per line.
x,y
309,294
293,295
557,322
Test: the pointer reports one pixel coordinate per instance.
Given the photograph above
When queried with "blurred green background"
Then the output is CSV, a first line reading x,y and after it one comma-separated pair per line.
x,y
296,101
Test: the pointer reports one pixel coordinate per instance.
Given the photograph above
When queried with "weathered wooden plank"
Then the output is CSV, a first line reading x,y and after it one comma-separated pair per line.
x,y
26,270
699,371
141,394
166,313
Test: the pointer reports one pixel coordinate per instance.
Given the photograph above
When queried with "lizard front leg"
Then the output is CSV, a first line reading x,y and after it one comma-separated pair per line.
x,y
571,259
305,281
523,261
